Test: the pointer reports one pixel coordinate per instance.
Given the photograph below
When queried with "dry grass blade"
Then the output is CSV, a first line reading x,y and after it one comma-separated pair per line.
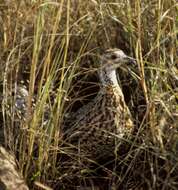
x,y
50,50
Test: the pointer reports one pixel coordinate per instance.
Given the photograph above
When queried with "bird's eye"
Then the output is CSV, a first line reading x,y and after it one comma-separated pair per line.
x,y
113,57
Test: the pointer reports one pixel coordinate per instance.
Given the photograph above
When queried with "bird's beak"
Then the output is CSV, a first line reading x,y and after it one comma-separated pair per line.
x,y
130,60
125,63
130,66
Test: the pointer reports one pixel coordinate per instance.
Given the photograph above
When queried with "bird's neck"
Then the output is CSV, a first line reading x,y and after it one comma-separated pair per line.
x,y
108,78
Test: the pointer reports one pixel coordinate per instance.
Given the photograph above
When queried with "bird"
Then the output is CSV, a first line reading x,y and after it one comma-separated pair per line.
x,y
99,126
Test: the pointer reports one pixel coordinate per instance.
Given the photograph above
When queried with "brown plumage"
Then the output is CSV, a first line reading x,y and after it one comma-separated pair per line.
x,y
99,126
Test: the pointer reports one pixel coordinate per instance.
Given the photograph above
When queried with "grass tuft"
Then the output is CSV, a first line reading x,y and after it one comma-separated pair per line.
x,y
52,47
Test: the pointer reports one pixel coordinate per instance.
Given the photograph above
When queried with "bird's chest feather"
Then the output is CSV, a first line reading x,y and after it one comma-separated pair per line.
x,y
106,117
106,120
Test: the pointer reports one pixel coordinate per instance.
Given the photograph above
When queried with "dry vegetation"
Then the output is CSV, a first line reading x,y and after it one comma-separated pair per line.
x,y
52,46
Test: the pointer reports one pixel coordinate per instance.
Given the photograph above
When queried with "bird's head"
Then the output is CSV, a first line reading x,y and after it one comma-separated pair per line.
x,y
115,58
111,60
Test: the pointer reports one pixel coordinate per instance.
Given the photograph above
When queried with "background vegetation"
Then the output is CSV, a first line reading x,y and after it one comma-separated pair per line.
x,y
52,47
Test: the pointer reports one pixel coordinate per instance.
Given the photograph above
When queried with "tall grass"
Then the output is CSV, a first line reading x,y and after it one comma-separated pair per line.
x,y
52,47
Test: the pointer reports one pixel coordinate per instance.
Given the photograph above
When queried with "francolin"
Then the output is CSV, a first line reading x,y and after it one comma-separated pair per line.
x,y
100,126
